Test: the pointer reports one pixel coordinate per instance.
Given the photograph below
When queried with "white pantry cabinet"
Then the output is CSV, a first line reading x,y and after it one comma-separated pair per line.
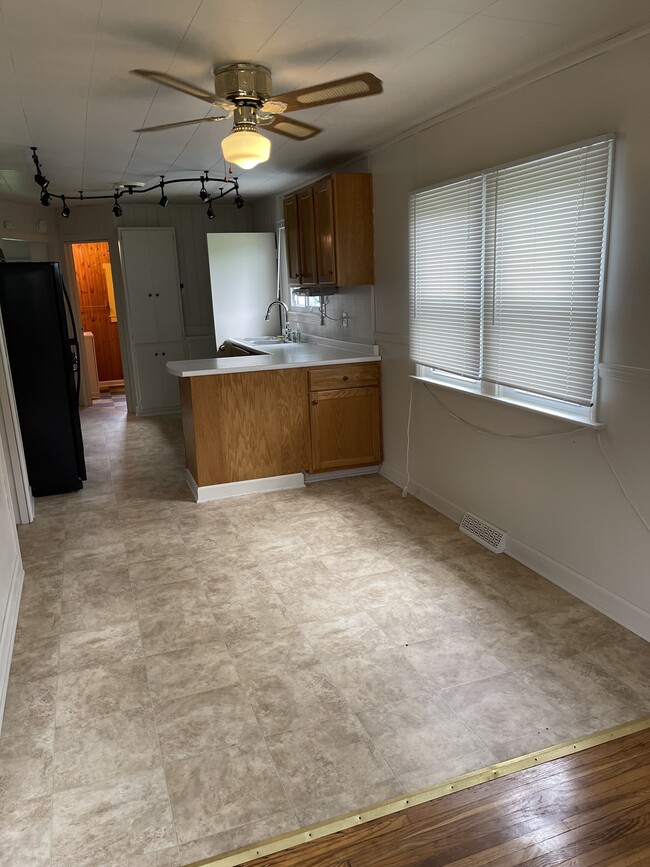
x,y
157,389
152,284
155,320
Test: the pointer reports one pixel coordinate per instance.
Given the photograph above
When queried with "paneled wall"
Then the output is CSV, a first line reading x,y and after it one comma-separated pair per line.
x,y
91,261
191,224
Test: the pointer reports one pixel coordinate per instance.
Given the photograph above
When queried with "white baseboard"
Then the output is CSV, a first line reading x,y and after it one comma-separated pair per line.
x,y
610,604
8,631
340,474
206,493
170,410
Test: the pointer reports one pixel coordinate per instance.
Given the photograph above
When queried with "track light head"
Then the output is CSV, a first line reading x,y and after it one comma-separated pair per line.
x,y
65,212
210,212
204,195
164,201
46,199
117,210
239,202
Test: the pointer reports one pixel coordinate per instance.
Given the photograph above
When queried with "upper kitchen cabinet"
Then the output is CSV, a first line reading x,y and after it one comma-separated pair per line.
x,y
152,284
329,230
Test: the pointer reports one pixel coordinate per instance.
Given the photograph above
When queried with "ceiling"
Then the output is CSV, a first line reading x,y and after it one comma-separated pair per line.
x,y
66,87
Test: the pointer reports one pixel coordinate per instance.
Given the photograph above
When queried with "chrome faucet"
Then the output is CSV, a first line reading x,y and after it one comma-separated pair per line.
x,y
282,306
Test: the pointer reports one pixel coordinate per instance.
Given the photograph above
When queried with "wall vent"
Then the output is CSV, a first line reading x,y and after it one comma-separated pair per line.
x,y
479,530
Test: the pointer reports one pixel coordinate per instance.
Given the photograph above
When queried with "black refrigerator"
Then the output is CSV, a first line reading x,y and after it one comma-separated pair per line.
x,y
44,360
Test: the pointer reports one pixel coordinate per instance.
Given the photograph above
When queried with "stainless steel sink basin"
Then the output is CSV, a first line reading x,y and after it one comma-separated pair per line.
x,y
263,341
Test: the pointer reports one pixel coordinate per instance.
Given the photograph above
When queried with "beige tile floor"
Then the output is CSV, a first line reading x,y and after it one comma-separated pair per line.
x,y
189,679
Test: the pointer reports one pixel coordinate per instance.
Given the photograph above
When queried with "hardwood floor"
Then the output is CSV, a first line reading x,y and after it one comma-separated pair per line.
x,y
591,808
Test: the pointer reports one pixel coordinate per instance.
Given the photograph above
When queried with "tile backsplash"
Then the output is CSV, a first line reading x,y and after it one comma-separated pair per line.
x,y
356,301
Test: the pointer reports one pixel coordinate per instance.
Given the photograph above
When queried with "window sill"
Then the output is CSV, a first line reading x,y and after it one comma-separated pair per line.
x,y
508,401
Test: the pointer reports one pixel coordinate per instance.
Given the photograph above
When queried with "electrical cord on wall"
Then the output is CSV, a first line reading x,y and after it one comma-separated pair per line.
x,y
490,433
620,483
405,489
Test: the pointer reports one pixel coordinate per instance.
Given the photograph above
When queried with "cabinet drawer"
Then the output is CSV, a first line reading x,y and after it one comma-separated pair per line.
x,y
344,376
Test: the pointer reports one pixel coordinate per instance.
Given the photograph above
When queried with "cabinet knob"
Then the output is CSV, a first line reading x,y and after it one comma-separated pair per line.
x,y
162,353
314,402
345,378
151,295
157,294
155,353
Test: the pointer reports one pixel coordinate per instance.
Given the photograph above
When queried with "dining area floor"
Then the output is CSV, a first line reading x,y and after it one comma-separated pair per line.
x,y
188,679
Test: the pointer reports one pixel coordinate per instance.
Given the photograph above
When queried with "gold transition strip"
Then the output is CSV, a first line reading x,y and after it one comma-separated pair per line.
x,y
288,841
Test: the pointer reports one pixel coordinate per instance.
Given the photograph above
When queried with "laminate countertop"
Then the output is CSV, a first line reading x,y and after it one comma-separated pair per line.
x,y
310,353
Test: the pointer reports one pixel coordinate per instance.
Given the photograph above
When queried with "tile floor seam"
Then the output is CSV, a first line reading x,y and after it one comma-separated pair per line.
x,y
155,722
400,535
356,716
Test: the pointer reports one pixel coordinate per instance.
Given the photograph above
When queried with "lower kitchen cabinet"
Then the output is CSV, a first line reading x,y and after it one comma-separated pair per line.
x,y
345,421
157,391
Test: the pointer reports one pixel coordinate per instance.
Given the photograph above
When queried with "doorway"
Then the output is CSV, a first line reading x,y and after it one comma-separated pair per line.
x,y
94,278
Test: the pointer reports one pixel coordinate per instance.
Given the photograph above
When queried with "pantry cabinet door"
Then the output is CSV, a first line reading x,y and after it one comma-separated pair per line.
x,y
166,284
136,271
157,388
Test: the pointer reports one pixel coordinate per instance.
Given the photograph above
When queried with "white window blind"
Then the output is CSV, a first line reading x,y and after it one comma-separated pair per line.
x,y
507,271
446,243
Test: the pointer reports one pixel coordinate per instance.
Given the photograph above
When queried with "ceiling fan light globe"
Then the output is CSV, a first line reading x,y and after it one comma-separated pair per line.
x,y
246,148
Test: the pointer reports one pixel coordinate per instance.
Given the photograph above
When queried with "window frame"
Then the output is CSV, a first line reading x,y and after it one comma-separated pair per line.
x,y
517,397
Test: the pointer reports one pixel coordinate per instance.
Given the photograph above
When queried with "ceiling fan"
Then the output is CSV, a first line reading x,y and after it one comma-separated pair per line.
x,y
243,90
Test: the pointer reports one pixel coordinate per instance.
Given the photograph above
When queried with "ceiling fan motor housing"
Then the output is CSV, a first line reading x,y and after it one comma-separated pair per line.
x,y
243,81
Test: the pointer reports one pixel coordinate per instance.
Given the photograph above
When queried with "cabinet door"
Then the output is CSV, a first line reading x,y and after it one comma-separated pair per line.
x,y
157,388
134,253
324,220
152,284
292,235
307,235
165,283
345,428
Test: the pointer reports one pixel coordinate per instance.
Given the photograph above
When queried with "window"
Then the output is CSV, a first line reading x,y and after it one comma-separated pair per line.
x,y
298,303
506,279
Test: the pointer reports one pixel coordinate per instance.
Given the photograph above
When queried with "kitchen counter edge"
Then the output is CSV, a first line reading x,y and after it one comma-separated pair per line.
x,y
277,358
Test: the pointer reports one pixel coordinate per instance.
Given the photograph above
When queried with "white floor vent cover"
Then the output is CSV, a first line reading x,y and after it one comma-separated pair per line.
x,y
489,536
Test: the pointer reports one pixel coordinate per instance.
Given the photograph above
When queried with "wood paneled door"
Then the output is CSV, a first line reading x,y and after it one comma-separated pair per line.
x,y
92,267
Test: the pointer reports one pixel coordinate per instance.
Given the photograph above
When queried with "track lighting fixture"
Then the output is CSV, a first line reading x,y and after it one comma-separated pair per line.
x,y
204,195
231,184
164,201
117,210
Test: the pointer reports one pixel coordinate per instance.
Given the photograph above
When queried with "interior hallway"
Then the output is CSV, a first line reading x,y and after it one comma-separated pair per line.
x,y
189,679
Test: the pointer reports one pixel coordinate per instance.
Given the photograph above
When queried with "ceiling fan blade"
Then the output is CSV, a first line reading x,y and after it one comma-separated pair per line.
x,y
352,87
291,128
183,86
180,123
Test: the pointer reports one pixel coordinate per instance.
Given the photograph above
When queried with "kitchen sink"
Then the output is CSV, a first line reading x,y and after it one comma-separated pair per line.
x,y
263,341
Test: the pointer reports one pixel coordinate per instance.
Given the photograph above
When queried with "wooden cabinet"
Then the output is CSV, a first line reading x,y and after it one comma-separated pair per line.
x,y
329,231
307,236
292,235
345,416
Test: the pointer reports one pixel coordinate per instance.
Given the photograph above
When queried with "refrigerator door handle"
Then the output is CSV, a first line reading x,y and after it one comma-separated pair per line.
x,y
74,342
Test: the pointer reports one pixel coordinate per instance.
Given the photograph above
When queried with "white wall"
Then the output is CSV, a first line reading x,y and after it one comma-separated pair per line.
x,y
11,575
557,499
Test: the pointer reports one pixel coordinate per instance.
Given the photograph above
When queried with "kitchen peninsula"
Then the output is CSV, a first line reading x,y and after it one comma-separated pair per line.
x,y
258,422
